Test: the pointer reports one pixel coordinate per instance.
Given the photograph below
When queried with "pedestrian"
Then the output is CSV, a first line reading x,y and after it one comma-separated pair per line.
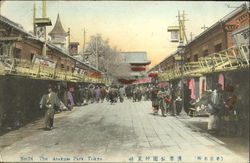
x,y
111,95
143,93
154,99
138,94
178,100
121,93
116,93
161,95
187,98
91,93
82,95
97,94
147,94
86,95
103,93
127,91
134,92
173,97
215,109
70,98
49,102
79,93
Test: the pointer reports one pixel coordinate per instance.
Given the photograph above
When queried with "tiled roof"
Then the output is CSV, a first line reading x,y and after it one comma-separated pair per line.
x,y
136,57
19,28
224,19
16,26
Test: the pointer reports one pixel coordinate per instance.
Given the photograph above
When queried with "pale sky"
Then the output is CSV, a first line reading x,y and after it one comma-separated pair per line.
x,y
129,25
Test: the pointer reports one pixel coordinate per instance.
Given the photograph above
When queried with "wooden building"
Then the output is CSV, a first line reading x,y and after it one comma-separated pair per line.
x,y
15,42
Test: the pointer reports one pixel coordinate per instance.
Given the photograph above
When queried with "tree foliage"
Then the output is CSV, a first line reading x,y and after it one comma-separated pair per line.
x,y
110,59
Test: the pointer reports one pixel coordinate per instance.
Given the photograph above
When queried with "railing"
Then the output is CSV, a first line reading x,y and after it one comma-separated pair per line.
x,y
227,60
25,68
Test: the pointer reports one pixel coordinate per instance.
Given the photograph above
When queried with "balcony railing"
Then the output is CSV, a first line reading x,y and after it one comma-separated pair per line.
x,y
227,60
25,68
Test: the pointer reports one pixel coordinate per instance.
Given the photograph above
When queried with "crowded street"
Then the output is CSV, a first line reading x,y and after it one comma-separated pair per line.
x,y
122,132
127,81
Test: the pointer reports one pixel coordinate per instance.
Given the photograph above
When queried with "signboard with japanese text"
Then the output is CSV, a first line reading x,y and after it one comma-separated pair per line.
x,y
44,61
74,48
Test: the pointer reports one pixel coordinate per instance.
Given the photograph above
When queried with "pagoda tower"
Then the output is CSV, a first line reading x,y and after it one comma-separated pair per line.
x,y
58,34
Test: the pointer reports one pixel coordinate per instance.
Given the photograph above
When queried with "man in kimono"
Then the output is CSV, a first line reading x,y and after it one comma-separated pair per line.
x,y
49,102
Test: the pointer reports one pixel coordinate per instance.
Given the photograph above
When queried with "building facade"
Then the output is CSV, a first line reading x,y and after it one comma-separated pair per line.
x,y
15,42
138,62
227,32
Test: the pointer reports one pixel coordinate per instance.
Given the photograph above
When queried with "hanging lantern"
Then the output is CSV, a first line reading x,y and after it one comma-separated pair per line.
x,y
138,68
153,74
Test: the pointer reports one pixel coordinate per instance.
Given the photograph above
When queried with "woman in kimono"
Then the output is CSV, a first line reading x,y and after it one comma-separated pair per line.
x,y
216,107
155,101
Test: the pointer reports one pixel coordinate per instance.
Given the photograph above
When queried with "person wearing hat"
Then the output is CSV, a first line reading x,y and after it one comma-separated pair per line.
x,y
49,103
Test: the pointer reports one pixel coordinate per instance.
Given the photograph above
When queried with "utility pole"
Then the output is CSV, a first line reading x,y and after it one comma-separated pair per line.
x,y
1,3
181,21
191,36
34,18
69,40
183,25
96,52
204,27
181,48
84,39
180,27
39,25
44,28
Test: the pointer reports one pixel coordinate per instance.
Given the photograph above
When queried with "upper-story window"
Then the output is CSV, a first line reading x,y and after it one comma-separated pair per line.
x,y
62,66
195,57
218,47
205,53
17,53
32,56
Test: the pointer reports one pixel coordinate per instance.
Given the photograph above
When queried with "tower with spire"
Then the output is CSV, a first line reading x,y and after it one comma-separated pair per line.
x,y
58,34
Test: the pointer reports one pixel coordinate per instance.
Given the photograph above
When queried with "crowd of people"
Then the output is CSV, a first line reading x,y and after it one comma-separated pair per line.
x,y
220,106
168,99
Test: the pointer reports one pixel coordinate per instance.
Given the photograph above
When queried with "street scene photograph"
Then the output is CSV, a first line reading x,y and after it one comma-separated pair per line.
x,y
124,81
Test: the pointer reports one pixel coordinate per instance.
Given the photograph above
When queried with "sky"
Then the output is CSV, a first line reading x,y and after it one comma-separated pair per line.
x,y
128,25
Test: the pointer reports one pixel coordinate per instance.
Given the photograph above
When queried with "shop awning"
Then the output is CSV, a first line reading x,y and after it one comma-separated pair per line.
x,y
143,81
95,74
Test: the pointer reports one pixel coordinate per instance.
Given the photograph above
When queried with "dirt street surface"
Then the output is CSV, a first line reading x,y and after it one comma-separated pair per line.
x,y
123,132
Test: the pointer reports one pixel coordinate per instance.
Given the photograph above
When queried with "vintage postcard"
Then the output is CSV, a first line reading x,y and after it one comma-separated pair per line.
x,y
124,81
